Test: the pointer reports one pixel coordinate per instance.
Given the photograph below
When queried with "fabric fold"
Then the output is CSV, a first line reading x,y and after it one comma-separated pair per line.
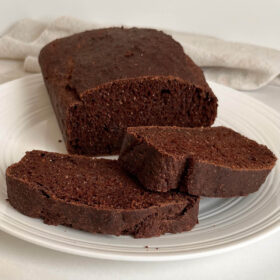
x,y
237,65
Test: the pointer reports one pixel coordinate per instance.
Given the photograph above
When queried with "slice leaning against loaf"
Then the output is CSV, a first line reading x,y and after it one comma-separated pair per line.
x,y
213,162
94,195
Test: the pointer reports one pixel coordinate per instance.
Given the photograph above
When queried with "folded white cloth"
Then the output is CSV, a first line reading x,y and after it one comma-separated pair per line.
x,y
238,65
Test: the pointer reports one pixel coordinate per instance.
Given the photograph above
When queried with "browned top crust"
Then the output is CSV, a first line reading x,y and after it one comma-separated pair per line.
x,y
93,58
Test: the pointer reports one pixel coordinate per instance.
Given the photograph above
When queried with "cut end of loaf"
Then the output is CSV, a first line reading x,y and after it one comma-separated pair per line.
x,y
100,125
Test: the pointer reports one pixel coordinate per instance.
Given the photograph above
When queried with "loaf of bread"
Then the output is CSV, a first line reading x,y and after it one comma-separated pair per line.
x,y
102,81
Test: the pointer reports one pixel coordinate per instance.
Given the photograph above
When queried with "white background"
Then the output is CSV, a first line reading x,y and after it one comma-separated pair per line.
x,y
254,21
238,20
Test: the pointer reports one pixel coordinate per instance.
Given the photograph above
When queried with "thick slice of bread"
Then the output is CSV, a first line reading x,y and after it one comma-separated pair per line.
x,y
213,162
94,195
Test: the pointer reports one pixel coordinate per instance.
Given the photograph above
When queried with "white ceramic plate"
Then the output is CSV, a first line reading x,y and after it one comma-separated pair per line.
x,y
27,122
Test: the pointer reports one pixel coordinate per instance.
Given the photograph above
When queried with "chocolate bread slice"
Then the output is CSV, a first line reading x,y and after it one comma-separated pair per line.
x,y
94,195
102,81
213,162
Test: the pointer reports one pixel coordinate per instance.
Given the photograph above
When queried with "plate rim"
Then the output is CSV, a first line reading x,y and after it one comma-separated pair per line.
x,y
141,257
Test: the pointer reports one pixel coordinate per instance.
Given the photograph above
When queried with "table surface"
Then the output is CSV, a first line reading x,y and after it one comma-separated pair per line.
x,y
249,21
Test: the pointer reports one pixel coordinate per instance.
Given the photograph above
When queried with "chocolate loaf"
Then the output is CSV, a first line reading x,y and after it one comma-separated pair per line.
x,y
102,81
212,162
94,195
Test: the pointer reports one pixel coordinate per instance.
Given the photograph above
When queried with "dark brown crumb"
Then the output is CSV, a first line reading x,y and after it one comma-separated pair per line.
x,y
128,54
94,182
59,140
